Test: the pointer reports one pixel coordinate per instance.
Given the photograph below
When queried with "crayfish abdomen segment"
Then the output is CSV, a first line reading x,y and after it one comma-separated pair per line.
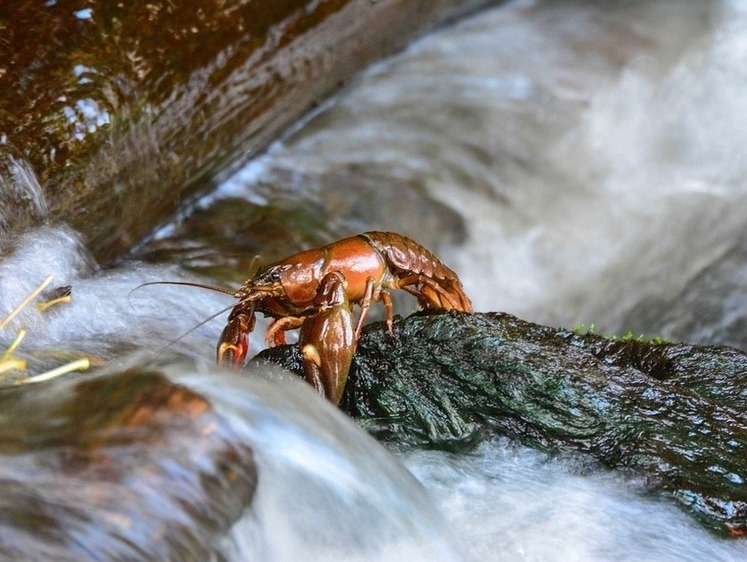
x,y
414,266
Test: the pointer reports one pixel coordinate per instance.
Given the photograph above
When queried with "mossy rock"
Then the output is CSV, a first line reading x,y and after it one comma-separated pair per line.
x,y
672,414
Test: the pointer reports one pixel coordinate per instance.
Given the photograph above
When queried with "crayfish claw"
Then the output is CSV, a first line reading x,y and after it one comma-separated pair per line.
x,y
233,345
327,340
312,367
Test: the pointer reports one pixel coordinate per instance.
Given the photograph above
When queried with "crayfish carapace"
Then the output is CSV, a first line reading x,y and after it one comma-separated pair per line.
x,y
314,290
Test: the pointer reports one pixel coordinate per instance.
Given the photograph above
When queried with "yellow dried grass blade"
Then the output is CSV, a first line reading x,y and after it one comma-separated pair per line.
x,y
79,365
14,345
42,306
12,365
25,301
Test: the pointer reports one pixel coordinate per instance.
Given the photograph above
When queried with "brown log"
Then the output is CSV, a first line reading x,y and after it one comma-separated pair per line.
x,y
113,115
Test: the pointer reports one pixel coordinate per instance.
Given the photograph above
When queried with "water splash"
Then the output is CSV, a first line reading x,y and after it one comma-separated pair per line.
x,y
21,197
512,503
327,491
108,314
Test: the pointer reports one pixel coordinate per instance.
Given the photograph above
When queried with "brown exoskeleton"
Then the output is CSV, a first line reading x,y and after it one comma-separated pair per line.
x,y
313,290
327,339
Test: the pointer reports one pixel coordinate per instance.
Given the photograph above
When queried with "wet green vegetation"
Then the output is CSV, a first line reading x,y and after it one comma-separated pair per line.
x,y
583,329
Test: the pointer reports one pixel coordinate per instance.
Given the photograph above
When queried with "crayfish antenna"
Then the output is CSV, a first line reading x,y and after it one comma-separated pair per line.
x,y
186,284
254,265
196,326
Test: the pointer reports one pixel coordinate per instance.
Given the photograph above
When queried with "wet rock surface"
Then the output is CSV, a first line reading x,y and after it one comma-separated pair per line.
x,y
113,115
120,467
672,414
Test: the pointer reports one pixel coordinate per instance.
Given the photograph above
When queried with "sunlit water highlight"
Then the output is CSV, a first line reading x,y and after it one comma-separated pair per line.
x,y
574,164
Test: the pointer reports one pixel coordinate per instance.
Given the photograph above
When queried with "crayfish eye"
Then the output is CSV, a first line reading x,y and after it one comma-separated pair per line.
x,y
271,276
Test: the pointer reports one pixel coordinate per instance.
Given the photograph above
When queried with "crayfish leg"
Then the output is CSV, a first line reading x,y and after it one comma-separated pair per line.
x,y
386,299
368,297
439,296
276,332
365,305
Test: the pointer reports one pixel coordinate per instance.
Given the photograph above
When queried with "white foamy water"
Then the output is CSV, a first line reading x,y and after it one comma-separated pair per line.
x,y
512,503
327,492
105,315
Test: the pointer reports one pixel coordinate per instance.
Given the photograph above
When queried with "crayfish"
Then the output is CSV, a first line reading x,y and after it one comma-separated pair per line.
x,y
315,289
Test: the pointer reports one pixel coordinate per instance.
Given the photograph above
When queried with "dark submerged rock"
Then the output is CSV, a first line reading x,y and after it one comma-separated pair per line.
x,y
670,413
129,466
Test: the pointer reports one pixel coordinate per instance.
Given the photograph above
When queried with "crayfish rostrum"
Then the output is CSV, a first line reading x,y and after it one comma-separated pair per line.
x,y
314,290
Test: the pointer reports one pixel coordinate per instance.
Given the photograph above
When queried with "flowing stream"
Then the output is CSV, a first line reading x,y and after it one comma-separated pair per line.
x,y
574,163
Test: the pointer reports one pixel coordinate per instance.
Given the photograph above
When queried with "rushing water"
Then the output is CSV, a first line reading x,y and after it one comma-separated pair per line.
x,y
320,476
574,162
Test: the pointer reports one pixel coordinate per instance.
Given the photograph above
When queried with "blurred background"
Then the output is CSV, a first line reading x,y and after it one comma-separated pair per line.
x,y
575,162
